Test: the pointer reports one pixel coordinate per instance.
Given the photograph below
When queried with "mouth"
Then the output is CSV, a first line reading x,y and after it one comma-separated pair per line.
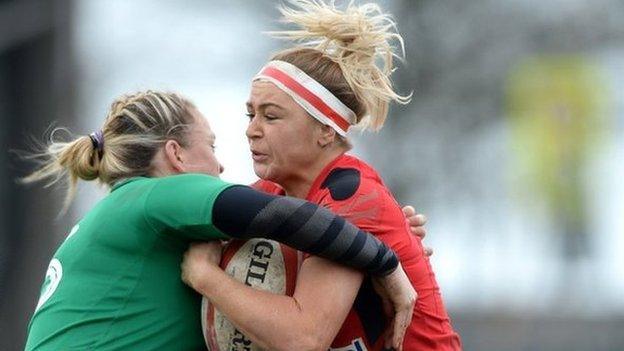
x,y
258,156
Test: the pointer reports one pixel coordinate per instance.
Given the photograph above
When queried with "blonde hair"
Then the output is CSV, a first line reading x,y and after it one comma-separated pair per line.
x,y
341,49
135,127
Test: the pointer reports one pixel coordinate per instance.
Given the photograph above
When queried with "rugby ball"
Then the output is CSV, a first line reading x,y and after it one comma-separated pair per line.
x,y
259,263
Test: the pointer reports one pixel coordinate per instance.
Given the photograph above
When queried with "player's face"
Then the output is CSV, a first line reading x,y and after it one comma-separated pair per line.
x,y
199,152
282,137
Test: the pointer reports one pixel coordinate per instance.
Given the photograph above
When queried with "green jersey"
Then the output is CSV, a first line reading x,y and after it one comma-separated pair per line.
x,y
140,232
115,281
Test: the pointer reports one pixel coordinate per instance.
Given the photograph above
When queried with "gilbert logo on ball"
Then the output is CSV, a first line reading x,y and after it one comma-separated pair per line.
x,y
259,263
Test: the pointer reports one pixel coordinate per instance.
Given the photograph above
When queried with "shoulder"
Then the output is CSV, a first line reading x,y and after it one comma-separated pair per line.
x,y
354,190
181,200
342,183
190,187
350,177
190,180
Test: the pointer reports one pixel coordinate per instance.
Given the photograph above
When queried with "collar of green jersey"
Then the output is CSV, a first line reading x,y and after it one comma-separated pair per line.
x,y
123,182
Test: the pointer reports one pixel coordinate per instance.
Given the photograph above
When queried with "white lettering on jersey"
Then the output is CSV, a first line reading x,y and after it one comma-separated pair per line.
x,y
52,278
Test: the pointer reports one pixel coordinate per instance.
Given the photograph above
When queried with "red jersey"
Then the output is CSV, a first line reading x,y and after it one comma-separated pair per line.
x,y
352,189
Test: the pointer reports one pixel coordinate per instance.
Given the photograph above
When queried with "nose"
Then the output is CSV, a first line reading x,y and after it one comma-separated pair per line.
x,y
253,129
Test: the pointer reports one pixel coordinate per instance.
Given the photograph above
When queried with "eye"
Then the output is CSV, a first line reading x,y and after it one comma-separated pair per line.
x,y
271,117
212,144
250,115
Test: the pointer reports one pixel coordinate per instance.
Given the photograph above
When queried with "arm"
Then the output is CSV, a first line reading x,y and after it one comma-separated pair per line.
x,y
200,207
309,320
244,213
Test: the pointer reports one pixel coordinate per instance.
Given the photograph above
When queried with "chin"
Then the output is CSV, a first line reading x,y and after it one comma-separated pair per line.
x,y
263,171
260,170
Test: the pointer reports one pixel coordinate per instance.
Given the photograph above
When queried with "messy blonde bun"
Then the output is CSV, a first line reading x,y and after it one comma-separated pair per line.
x,y
342,49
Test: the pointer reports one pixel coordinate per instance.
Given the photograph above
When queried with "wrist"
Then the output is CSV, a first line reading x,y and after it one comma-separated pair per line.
x,y
206,281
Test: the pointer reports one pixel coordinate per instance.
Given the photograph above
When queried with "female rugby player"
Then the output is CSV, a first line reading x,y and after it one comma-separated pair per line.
x,y
114,283
302,104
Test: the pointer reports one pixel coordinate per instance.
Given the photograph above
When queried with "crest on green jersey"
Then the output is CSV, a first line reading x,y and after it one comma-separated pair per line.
x,y
52,278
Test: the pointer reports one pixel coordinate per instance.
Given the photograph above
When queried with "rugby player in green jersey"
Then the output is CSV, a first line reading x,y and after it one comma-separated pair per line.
x,y
114,283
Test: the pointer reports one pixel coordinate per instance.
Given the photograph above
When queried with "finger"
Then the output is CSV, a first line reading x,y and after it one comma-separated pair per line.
x,y
417,220
409,211
401,323
420,232
200,246
428,251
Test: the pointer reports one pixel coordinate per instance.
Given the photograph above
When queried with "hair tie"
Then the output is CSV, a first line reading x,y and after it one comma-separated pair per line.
x,y
97,139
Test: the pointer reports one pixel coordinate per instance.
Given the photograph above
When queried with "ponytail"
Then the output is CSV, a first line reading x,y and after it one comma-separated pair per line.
x,y
136,126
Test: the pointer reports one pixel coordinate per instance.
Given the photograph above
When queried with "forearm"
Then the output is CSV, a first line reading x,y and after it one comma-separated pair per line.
x,y
245,213
275,322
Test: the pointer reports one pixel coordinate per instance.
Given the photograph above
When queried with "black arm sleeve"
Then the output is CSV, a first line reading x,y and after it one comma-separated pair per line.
x,y
242,212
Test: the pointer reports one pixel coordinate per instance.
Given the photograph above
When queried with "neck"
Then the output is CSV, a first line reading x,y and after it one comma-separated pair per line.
x,y
299,185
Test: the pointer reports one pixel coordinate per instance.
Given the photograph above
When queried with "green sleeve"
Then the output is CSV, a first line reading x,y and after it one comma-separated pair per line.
x,y
181,205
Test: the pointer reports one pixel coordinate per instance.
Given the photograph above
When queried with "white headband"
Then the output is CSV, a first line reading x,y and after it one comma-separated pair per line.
x,y
319,102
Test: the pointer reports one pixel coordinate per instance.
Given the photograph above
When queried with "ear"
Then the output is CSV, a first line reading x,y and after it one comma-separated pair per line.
x,y
173,156
327,135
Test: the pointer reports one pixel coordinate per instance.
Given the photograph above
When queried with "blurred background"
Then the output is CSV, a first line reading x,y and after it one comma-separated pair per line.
x,y
513,144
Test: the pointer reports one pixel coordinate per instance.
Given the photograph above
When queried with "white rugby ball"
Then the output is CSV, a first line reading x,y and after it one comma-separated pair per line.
x,y
260,263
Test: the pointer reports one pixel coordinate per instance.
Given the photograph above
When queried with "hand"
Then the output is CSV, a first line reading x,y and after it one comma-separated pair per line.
x,y
197,262
417,225
399,298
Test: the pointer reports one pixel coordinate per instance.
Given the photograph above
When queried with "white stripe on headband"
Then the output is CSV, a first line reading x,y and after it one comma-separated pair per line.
x,y
309,94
